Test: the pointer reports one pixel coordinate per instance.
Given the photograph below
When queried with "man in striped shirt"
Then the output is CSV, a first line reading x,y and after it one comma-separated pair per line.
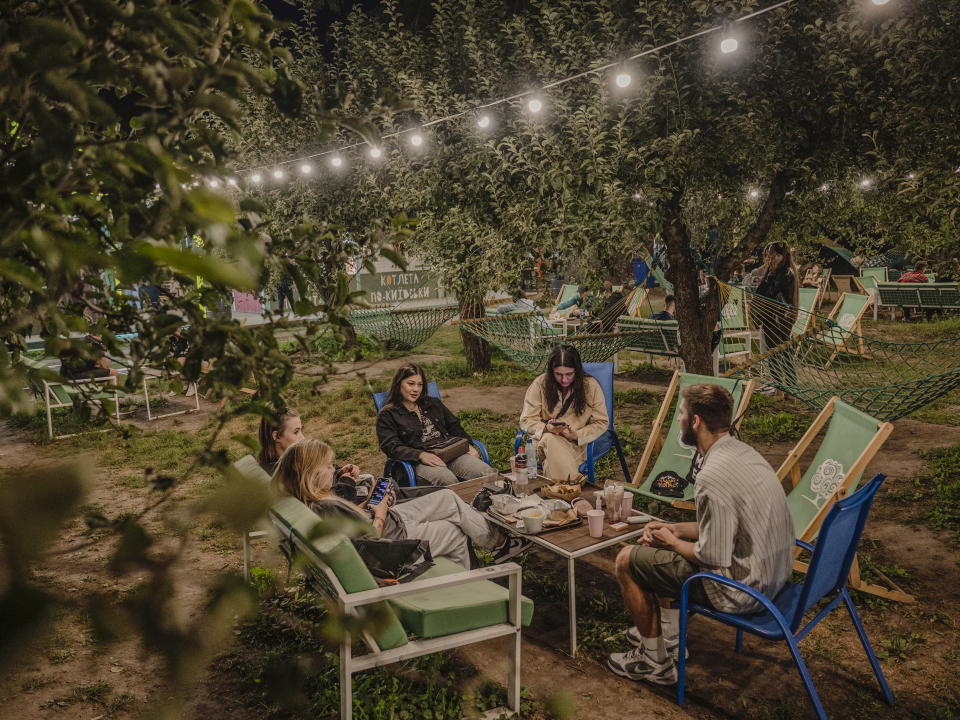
x,y
743,531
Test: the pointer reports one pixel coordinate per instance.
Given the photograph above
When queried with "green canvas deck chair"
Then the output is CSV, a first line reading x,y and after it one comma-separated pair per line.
x,y
735,325
850,441
567,292
444,608
669,453
824,284
59,392
635,302
869,277
808,301
846,335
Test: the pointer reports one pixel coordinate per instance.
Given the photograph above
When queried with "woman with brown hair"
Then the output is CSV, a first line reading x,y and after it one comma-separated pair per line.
x,y
564,411
779,284
418,429
306,472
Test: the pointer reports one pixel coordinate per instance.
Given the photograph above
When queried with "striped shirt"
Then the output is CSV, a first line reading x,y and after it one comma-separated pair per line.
x,y
746,532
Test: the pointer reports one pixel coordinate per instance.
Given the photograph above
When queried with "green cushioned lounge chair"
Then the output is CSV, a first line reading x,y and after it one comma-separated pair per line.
x,y
446,607
846,335
669,454
567,292
850,441
735,325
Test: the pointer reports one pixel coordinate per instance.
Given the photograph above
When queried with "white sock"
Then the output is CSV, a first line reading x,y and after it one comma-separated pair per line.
x,y
656,649
670,623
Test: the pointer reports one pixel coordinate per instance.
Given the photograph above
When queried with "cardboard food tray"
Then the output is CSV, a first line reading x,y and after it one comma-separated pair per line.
x,y
547,524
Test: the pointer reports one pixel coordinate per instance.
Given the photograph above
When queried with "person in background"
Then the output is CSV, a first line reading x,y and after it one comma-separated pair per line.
x,y
86,359
285,292
779,284
564,410
669,309
412,425
520,304
813,277
178,351
579,303
611,304
916,276
306,471
743,530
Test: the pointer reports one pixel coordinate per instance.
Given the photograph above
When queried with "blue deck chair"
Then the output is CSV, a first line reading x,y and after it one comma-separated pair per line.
x,y
380,399
830,565
603,374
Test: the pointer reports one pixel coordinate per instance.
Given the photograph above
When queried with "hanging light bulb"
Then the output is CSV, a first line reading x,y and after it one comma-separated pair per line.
x,y
865,183
728,45
232,182
623,79
214,183
375,152
911,176
483,122
535,105
278,174
416,140
824,187
336,161
306,169
255,178
880,2
754,193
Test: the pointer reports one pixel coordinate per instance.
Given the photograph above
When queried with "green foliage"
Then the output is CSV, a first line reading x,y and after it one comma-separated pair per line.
x,y
495,430
772,428
900,645
939,488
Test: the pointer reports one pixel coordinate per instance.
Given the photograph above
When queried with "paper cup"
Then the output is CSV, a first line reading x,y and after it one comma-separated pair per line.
x,y
595,523
626,506
532,520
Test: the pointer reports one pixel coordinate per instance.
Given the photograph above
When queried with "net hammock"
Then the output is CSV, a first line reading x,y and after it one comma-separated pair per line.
x,y
409,323
529,338
822,355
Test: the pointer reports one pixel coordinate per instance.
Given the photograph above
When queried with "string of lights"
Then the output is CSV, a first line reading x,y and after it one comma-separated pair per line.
x,y
535,104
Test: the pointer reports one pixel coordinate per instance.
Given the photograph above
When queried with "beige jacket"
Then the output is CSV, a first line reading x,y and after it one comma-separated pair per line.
x,y
589,425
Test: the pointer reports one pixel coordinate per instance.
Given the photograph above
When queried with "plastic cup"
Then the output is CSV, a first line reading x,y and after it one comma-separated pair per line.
x,y
612,499
595,523
533,520
626,505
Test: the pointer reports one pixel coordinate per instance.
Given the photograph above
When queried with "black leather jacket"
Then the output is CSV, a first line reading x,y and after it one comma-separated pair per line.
x,y
399,430
778,286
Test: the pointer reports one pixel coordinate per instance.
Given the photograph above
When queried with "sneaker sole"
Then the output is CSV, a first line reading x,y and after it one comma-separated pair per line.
x,y
640,678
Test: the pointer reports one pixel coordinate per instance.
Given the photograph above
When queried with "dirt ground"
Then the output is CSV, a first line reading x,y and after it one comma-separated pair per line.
x,y
58,676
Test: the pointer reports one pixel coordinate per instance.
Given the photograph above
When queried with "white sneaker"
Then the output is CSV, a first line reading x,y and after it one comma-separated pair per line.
x,y
637,665
191,390
672,644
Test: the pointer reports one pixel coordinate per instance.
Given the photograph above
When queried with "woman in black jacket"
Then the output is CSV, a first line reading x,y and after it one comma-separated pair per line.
x,y
780,284
416,428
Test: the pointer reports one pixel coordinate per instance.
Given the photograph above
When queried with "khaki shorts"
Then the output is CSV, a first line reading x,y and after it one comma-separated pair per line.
x,y
663,573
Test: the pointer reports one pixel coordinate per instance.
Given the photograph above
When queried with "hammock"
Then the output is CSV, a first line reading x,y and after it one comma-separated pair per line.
x,y
887,380
528,338
402,328
409,323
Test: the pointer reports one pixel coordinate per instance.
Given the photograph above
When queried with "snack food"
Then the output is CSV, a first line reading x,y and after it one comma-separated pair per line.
x,y
563,491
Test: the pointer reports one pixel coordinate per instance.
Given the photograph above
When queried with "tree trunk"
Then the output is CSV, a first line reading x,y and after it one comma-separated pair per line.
x,y
477,350
695,318
757,233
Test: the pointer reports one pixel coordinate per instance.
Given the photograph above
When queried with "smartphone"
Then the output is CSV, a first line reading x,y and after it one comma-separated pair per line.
x,y
558,423
379,490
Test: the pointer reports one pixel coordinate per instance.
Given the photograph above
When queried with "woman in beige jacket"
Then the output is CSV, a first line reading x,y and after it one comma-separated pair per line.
x,y
565,411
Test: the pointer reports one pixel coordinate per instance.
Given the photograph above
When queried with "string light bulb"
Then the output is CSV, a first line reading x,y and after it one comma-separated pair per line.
x,y
214,183
483,122
880,2
416,140
336,161
278,174
754,193
255,178
232,182
623,79
865,183
375,153
306,169
535,105
728,45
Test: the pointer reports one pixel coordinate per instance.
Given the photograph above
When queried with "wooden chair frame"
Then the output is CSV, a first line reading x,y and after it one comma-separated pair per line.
x,y
854,328
791,468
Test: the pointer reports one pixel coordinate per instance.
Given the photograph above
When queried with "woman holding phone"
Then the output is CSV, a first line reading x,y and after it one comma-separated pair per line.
x,y
306,470
565,411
